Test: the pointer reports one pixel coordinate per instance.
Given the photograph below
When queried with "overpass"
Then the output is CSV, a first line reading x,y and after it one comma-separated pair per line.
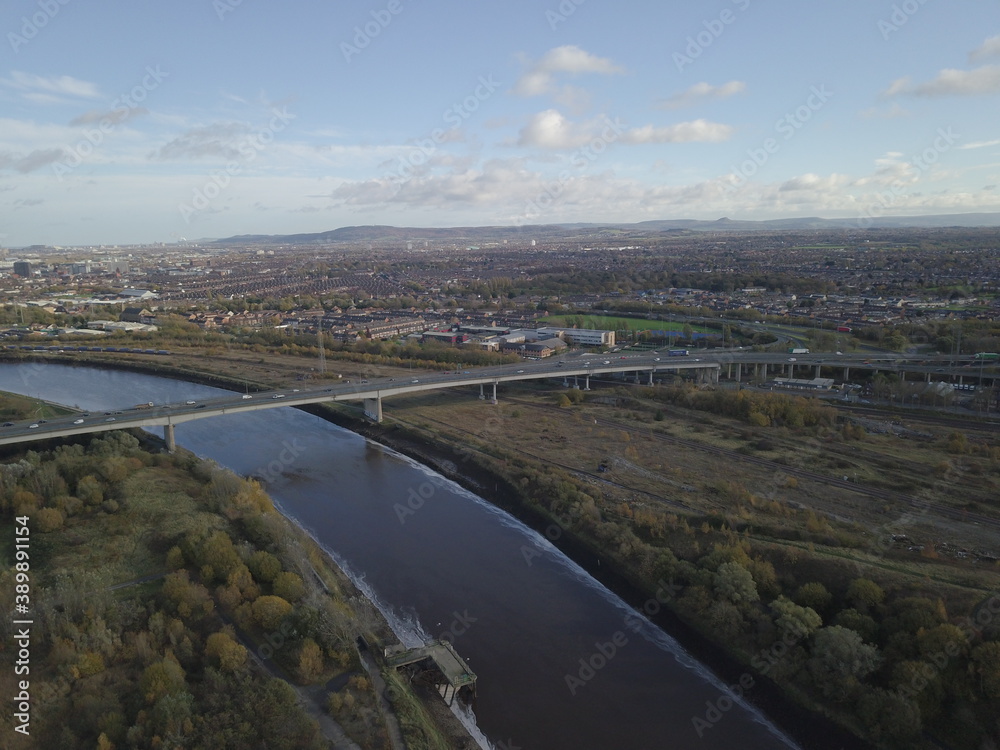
x,y
370,393
578,368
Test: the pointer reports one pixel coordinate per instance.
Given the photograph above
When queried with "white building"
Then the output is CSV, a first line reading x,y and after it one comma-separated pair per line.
x,y
580,336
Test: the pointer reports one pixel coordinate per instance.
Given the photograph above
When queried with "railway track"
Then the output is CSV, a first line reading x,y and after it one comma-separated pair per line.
x,y
978,424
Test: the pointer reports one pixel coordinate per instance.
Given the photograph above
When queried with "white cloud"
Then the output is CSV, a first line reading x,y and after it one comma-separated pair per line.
x,y
114,116
695,131
550,129
538,79
988,49
899,86
951,82
32,161
218,140
702,92
46,90
980,144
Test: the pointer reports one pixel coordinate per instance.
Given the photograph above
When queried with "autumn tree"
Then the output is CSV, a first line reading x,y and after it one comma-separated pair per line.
x,y
225,652
288,586
269,611
840,660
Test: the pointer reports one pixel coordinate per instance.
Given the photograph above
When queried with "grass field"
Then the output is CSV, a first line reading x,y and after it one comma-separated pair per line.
x,y
614,323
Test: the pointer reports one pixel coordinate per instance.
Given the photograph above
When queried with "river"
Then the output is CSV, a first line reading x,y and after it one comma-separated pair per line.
x,y
442,562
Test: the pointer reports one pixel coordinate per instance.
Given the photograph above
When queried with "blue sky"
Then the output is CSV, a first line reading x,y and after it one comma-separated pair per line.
x,y
138,121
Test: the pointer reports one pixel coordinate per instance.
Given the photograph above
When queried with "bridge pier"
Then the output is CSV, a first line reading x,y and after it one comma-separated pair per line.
x,y
482,393
817,372
650,377
739,372
168,437
586,382
494,393
373,409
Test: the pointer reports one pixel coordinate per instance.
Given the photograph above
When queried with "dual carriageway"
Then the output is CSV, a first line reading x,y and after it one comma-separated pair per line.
x,y
575,369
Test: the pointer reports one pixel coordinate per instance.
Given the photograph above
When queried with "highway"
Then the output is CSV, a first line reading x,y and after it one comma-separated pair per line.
x,y
570,365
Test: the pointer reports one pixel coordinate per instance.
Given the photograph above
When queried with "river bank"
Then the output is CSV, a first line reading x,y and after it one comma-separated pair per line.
x,y
458,465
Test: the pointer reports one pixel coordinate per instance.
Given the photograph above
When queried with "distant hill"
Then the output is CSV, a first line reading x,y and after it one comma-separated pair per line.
x,y
473,235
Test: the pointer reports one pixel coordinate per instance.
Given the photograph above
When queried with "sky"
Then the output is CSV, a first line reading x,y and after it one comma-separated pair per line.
x,y
134,121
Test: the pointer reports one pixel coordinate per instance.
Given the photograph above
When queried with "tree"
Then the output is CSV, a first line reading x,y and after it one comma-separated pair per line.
x,y
289,586
840,660
269,611
986,661
218,552
49,519
164,677
264,566
865,594
735,583
813,595
863,625
794,621
226,652
944,640
310,665
890,718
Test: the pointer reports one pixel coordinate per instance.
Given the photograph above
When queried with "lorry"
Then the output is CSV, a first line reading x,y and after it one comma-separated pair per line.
x,y
147,405
795,350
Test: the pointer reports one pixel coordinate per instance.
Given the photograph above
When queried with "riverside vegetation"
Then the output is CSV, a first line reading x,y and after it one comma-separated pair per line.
x,y
882,616
860,610
174,607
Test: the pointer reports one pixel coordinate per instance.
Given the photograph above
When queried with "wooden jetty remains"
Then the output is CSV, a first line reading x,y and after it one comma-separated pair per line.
x,y
440,663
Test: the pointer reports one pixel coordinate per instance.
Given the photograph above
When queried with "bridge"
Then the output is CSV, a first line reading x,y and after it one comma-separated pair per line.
x,y
575,369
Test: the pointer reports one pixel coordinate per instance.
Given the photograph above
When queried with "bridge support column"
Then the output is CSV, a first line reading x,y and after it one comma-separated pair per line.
x,y
817,372
494,394
168,437
373,409
739,372
650,377
482,393
847,374
586,382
